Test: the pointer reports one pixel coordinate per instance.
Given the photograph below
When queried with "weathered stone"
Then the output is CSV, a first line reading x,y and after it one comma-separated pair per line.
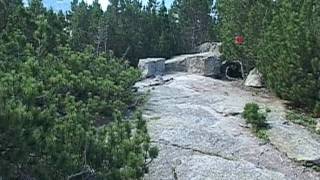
x,y
150,82
254,79
298,143
198,167
176,64
152,67
199,132
205,47
206,64
213,47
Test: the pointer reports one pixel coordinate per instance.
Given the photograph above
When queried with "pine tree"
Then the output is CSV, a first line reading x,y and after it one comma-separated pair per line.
x,y
36,7
53,98
96,24
194,17
80,23
152,32
243,18
176,28
288,53
3,14
281,39
125,29
166,45
41,35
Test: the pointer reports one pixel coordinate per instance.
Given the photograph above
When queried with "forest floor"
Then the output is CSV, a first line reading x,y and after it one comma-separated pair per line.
x,y
196,123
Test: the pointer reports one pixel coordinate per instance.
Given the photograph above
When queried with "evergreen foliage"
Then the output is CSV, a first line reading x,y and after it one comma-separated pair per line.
x,y
62,105
281,39
195,21
257,119
134,31
291,51
243,18
254,117
63,92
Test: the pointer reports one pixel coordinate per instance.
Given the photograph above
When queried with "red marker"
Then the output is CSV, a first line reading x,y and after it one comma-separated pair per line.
x,y
239,40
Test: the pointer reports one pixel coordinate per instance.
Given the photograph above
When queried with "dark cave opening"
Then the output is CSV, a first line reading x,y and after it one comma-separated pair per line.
x,y
232,70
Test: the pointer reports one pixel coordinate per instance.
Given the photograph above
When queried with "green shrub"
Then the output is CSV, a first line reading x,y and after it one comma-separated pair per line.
x,y
262,134
288,58
248,19
254,117
281,39
257,119
62,114
316,110
302,119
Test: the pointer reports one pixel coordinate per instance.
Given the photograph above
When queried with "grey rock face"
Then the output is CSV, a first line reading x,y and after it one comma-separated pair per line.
x,y
196,123
201,167
298,143
152,67
207,64
254,79
151,82
213,47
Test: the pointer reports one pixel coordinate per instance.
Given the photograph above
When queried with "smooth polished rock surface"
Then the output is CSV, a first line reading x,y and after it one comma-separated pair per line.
x,y
196,123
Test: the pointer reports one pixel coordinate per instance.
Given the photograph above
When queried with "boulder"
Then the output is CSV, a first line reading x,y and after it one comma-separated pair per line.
x,y
299,144
254,79
206,64
152,67
213,47
176,64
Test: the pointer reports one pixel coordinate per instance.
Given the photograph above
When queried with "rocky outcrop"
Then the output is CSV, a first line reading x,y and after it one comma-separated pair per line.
x,y
212,167
196,123
254,79
206,64
213,47
151,82
298,143
152,67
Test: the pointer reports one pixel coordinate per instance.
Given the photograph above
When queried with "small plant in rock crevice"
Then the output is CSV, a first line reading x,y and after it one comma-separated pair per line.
x,y
257,119
254,117
316,110
303,120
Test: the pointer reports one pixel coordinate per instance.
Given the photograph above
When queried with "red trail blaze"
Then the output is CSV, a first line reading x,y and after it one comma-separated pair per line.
x,y
239,40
